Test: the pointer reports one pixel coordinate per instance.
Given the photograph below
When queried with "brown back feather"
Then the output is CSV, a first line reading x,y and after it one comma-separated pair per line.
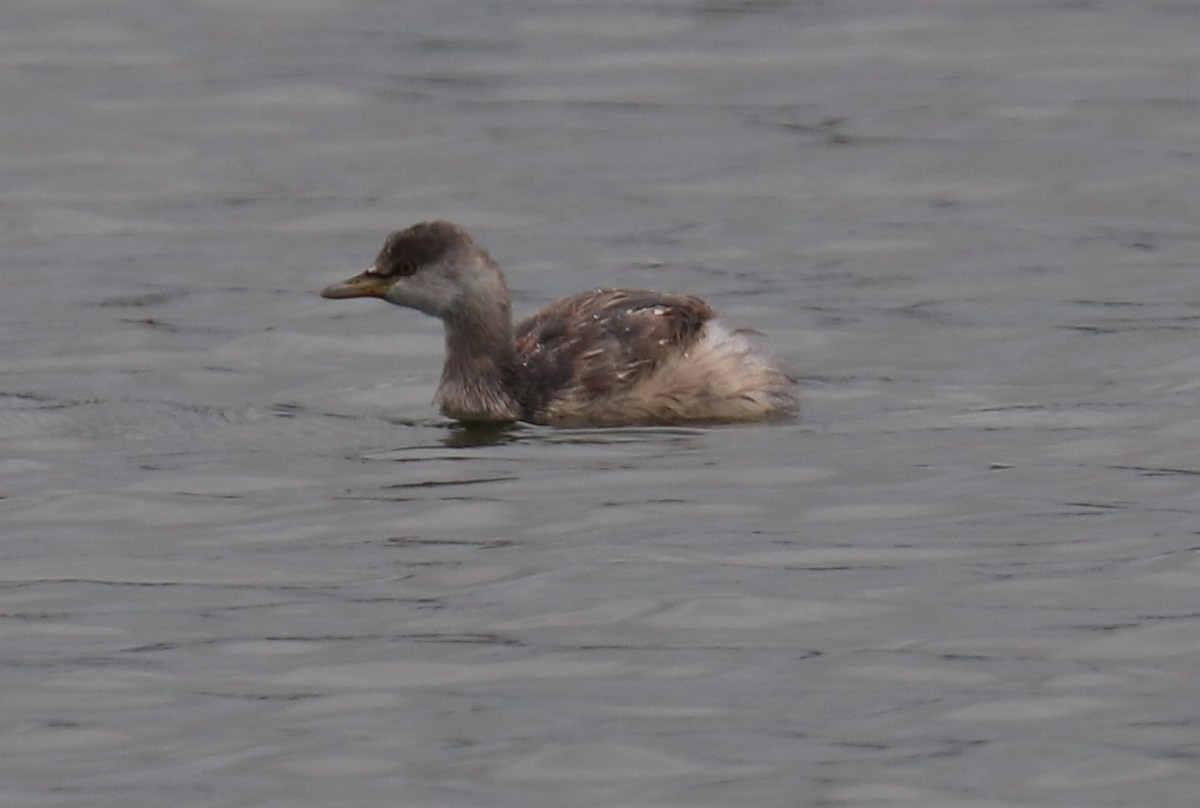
x,y
600,343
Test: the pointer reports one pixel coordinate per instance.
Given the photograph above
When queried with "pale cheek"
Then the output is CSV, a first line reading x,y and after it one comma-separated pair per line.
x,y
424,294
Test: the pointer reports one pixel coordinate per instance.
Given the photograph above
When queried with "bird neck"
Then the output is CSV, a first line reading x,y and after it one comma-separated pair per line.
x,y
477,378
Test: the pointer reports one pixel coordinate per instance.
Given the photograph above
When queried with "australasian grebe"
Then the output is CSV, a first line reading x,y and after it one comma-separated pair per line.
x,y
607,357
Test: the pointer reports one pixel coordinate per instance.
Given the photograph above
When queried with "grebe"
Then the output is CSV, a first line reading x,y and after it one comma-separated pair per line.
x,y
608,357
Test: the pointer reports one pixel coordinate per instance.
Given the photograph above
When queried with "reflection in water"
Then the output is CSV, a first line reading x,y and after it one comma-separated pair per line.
x,y
463,436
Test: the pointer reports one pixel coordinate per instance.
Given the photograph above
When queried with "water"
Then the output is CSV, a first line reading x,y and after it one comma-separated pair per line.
x,y
244,563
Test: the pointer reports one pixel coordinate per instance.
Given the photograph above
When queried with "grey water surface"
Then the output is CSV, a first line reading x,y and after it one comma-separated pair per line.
x,y
243,561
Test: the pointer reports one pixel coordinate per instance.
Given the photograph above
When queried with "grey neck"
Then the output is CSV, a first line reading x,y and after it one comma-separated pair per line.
x,y
480,360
